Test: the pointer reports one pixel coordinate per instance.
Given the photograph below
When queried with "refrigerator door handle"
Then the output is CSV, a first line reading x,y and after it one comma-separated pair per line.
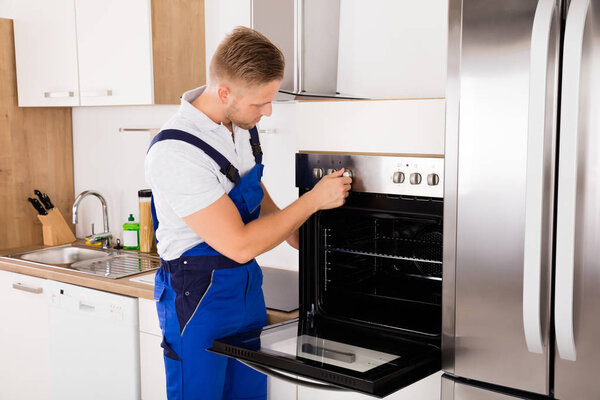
x,y
567,179
532,256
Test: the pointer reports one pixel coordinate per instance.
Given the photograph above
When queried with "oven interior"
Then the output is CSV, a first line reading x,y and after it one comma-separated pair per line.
x,y
381,266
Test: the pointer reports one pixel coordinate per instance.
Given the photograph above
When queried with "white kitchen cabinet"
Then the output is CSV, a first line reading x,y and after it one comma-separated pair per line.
x,y
152,365
393,48
425,389
93,52
222,16
115,52
24,339
280,390
152,368
46,53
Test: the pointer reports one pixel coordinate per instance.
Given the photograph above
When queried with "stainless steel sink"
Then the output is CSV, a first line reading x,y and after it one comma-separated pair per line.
x,y
62,255
108,263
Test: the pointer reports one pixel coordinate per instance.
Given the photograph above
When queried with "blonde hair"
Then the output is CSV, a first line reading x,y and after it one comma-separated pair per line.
x,y
248,56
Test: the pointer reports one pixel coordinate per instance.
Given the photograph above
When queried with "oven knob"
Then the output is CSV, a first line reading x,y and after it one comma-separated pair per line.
x,y
415,178
348,173
398,177
331,170
433,179
317,173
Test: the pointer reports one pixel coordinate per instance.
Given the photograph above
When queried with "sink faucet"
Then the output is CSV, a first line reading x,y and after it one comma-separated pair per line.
x,y
105,236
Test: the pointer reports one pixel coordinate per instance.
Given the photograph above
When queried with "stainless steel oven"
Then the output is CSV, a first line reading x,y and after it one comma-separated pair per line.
x,y
370,281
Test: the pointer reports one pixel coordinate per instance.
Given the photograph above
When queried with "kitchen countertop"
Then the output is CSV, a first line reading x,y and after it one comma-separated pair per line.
x,y
124,286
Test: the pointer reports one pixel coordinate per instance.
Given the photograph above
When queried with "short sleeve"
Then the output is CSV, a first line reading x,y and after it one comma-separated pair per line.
x,y
183,175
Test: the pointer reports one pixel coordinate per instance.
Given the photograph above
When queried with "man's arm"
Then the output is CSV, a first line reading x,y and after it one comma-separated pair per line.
x,y
267,207
221,226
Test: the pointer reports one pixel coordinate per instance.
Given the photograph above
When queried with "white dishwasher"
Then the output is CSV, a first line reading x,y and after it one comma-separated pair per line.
x,y
94,344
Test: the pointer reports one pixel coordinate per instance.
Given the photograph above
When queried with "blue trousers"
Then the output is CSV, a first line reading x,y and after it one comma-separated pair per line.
x,y
197,304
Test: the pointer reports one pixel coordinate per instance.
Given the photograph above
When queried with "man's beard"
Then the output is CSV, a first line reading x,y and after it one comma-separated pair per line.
x,y
230,115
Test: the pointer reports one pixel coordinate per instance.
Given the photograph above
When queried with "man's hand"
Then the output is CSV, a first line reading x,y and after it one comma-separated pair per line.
x,y
331,191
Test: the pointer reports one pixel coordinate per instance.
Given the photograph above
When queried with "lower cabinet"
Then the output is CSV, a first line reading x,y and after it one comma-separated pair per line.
x,y
24,339
280,390
152,365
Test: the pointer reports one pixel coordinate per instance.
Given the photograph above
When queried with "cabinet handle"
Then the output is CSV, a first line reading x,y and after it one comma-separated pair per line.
x,y
97,93
34,290
153,131
59,94
267,131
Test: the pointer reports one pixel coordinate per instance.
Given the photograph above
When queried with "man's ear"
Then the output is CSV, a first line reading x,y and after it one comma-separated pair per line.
x,y
223,94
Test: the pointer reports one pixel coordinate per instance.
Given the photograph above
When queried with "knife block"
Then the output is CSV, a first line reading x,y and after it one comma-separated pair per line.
x,y
55,229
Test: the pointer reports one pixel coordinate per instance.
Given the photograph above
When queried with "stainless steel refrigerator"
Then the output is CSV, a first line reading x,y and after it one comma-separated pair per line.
x,y
521,284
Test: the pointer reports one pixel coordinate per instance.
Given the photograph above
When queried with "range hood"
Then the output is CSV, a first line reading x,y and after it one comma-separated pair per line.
x,y
307,31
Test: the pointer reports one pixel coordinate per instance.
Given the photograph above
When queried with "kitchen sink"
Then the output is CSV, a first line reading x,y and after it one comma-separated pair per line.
x,y
62,255
106,262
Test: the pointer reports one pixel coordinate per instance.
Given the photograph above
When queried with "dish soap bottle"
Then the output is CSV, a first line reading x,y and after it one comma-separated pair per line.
x,y
131,234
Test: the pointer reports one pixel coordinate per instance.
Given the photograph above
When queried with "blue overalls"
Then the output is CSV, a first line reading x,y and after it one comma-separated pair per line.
x,y
203,295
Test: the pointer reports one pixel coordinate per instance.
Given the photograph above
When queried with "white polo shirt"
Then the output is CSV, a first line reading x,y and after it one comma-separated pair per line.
x,y
184,179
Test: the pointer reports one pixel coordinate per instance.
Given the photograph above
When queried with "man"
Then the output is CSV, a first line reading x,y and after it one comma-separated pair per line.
x,y
213,216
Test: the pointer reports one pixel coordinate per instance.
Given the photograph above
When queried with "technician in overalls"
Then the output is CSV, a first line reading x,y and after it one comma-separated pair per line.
x,y
213,216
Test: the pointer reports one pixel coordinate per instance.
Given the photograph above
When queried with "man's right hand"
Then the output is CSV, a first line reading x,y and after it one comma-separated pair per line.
x,y
331,191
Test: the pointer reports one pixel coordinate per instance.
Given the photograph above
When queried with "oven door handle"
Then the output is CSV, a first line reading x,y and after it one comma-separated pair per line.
x,y
534,199
295,381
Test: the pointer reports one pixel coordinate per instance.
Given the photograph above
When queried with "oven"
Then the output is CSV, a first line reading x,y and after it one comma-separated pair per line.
x,y
370,281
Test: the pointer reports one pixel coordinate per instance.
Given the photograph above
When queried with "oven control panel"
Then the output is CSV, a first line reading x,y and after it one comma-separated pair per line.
x,y
387,174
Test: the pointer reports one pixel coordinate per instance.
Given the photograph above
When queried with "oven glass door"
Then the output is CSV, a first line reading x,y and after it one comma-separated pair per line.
x,y
344,355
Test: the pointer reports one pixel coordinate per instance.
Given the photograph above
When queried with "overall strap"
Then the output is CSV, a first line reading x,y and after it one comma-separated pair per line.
x,y
226,167
255,144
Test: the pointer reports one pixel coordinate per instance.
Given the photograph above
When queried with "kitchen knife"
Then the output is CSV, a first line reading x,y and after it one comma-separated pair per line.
x,y
44,199
38,206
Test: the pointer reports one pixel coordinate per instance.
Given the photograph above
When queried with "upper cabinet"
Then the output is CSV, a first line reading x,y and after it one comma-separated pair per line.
x,y
46,53
108,52
114,42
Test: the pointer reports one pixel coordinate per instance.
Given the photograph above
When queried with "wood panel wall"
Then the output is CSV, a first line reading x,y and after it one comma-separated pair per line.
x,y
36,152
178,48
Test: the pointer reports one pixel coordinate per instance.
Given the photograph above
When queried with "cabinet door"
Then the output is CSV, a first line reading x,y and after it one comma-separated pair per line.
x,y
24,370
392,48
278,389
152,368
115,52
46,53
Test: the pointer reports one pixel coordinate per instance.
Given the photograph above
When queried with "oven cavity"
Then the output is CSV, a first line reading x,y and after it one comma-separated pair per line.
x,y
382,268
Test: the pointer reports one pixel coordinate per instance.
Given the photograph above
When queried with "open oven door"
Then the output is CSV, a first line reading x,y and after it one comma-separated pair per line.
x,y
334,355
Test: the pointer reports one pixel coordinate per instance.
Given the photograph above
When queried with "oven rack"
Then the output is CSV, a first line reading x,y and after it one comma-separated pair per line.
x,y
381,255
